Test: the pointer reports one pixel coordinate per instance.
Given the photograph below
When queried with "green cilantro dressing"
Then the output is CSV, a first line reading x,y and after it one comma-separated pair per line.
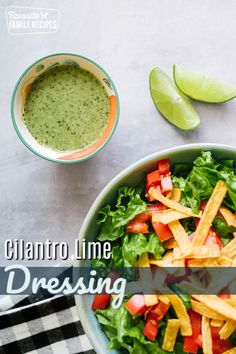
x,y
67,108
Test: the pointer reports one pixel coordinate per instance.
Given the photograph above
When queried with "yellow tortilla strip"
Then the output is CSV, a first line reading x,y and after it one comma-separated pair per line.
x,y
231,300
227,330
224,261
181,313
180,235
230,351
170,244
206,336
203,262
217,323
228,216
154,194
230,249
168,216
176,195
163,299
171,332
209,213
143,262
204,310
217,304
197,252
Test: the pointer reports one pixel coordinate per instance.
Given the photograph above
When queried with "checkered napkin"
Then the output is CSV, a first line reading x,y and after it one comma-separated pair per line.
x,y
42,325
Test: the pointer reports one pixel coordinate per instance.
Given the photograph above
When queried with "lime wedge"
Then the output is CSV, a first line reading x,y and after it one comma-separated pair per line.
x,y
170,102
201,87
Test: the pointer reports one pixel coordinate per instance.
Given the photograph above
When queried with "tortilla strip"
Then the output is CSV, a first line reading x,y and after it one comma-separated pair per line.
x,y
231,300
206,336
176,195
227,330
230,351
204,310
230,249
168,216
224,261
217,304
180,236
143,262
154,194
163,299
217,323
203,262
171,332
197,252
170,244
228,216
181,313
209,213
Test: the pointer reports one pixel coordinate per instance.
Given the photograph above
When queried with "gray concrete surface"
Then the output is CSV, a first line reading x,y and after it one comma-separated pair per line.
x,y
39,199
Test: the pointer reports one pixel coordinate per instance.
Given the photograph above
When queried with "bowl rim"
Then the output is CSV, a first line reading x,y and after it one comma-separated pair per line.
x,y
14,119
79,298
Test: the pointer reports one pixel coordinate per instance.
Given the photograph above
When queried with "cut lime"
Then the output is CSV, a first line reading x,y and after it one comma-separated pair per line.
x,y
170,102
201,87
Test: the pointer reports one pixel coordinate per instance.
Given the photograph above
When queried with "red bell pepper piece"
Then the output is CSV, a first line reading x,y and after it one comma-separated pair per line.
x,y
164,166
163,231
159,311
136,305
101,301
151,329
219,345
153,179
225,293
137,224
137,228
198,340
166,184
157,207
190,345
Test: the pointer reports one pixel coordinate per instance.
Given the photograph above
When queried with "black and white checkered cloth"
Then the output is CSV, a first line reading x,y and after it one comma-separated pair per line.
x,y
39,325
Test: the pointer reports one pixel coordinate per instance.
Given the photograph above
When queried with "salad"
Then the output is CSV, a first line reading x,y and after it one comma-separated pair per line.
x,y
182,216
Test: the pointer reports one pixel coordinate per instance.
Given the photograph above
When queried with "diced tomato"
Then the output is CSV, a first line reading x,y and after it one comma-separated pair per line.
x,y
157,207
136,305
190,345
225,293
153,179
196,222
159,311
101,301
151,329
203,205
198,340
146,313
166,184
137,228
163,231
164,166
137,224
218,345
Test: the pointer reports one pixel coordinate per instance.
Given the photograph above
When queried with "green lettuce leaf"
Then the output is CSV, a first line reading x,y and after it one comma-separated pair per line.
x,y
135,245
126,332
112,222
199,183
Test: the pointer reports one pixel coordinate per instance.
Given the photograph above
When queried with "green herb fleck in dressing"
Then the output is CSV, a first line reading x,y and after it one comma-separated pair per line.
x,y
67,108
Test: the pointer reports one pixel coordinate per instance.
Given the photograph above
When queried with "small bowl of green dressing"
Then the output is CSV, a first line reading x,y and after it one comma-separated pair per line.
x,y
65,108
